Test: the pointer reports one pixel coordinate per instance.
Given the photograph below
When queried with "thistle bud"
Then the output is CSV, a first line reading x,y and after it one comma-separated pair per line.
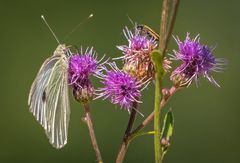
x,y
165,142
84,92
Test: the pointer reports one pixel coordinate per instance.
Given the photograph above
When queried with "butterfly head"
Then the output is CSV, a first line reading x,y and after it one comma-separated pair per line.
x,y
62,49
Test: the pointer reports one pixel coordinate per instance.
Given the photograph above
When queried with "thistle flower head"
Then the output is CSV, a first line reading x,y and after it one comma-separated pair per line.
x,y
197,60
119,87
137,60
138,42
81,67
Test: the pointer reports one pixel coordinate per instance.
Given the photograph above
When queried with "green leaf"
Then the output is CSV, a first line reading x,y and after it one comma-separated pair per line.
x,y
157,60
167,131
168,124
141,134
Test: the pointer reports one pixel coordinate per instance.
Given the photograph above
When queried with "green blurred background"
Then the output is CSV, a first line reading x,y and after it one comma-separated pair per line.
x,y
207,123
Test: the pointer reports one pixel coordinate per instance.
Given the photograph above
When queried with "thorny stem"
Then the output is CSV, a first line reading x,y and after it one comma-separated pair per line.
x,y
125,141
88,120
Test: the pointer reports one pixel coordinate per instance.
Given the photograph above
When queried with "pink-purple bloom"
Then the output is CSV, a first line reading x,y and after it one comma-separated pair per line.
x,y
197,60
81,67
119,87
137,42
136,54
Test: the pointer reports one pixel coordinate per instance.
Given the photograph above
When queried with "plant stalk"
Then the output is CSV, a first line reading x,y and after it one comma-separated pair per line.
x,y
157,144
126,141
163,43
163,26
171,23
88,120
150,118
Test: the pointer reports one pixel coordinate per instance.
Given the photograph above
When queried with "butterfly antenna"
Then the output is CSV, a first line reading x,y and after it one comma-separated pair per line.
x,y
77,26
50,29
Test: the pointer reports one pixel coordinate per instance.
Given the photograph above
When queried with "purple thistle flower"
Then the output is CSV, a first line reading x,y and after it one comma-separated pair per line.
x,y
197,60
137,60
81,67
137,42
119,87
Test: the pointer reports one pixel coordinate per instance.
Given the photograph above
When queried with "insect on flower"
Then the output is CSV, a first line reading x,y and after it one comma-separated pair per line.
x,y
48,98
137,53
147,30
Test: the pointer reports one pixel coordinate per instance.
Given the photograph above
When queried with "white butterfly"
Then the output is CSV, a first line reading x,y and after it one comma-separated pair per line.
x,y
48,97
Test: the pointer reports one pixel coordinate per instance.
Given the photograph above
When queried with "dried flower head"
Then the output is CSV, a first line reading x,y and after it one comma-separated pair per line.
x,y
197,60
119,87
81,67
137,60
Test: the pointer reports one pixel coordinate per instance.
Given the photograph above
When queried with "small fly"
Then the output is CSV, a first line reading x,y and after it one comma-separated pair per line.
x,y
144,29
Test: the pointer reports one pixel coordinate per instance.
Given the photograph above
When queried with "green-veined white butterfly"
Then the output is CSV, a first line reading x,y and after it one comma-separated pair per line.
x,y
48,98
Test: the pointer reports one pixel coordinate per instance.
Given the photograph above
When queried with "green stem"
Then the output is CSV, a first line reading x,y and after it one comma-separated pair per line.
x,y
157,58
157,144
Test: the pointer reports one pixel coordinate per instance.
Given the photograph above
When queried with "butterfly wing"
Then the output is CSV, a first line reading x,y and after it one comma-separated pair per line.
x,y
48,98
